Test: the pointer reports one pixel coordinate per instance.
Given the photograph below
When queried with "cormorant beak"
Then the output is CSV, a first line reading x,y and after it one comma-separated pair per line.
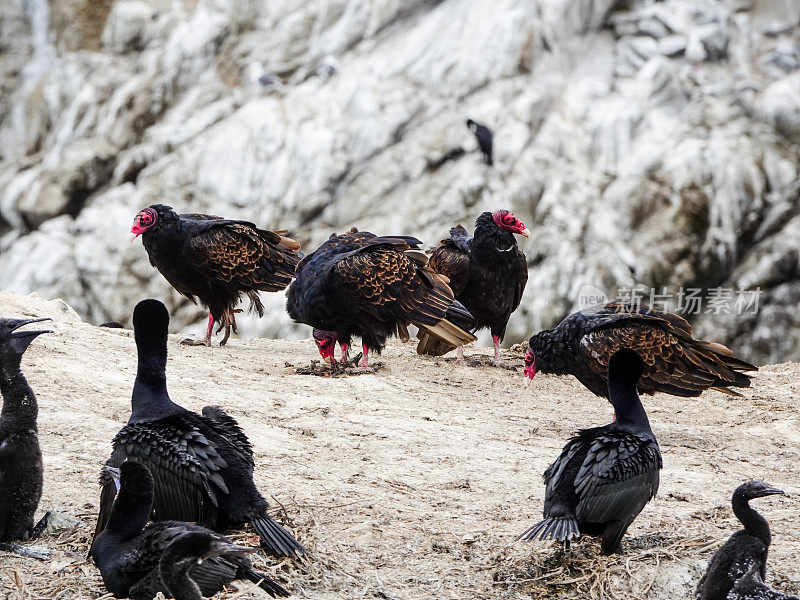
x,y
218,548
31,333
771,491
526,232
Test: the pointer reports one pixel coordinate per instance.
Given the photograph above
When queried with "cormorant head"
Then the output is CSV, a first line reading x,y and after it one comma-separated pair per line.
x,y
13,341
149,218
326,343
150,320
506,220
472,125
199,546
755,489
625,366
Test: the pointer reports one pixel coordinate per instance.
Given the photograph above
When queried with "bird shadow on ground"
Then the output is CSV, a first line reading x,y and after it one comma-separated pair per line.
x,y
513,363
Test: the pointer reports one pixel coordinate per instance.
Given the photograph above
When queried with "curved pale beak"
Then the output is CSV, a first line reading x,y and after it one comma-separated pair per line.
x,y
526,232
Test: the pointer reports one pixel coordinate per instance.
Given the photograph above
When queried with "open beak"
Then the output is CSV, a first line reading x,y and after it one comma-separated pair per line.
x,y
28,333
526,232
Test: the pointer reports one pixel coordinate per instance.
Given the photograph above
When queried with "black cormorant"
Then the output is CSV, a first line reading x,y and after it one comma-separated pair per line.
x,y
131,556
751,586
484,136
202,465
605,475
20,456
744,547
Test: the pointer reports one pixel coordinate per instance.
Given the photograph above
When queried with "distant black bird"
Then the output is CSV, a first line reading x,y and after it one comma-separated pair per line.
x,y
202,465
20,456
487,271
216,260
484,136
112,325
138,561
605,475
746,546
358,284
674,362
751,586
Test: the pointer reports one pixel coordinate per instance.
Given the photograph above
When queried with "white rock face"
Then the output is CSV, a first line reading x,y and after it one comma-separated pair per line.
x,y
650,145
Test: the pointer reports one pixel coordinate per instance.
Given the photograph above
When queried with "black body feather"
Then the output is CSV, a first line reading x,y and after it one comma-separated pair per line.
x,y
605,475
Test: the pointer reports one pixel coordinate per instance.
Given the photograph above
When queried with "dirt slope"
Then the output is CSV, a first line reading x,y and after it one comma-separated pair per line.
x,y
412,482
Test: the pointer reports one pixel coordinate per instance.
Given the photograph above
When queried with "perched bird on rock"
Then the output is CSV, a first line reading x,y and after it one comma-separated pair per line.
x,y
21,473
746,548
674,362
359,284
487,271
484,136
202,464
181,560
216,260
605,475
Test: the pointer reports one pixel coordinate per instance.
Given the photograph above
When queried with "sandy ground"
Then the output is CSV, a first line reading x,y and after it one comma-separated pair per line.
x,y
412,482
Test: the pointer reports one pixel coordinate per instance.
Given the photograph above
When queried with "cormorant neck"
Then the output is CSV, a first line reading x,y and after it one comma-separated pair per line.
x,y
627,404
754,523
180,585
131,510
19,401
150,399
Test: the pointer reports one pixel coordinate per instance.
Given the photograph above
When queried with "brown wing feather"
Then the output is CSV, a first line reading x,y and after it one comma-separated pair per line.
x,y
674,362
453,264
244,257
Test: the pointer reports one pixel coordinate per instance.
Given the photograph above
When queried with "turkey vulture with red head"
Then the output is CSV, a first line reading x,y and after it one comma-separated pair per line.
x,y
674,362
216,260
358,284
487,270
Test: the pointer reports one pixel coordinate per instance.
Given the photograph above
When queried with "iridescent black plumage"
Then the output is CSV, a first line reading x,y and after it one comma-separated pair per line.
x,y
605,475
202,464
130,553
358,284
674,361
746,547
216,260
487,271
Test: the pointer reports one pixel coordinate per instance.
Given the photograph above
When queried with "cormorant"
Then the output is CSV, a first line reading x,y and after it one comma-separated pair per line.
x,y
605,475
20,456
133,557
751,586
484,136
747,545
202,465
675,362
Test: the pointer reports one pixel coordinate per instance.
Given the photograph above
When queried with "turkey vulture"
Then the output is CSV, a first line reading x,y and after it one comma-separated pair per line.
x,y
358,284
605,475
746,546
202,464
137,560
216,260
674,362
484,136
487,271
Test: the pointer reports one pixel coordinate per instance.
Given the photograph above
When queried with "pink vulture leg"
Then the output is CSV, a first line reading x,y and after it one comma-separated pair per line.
x,y
460,354
210,329
345,353
365,352
496,340
205,341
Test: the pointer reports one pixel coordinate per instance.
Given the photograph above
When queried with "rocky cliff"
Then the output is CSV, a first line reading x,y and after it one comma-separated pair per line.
x,y
643,143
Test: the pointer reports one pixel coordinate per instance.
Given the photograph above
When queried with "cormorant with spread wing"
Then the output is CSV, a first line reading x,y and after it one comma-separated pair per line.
x,y
674,362
216,260
605,475
202,465
358,284
746,546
